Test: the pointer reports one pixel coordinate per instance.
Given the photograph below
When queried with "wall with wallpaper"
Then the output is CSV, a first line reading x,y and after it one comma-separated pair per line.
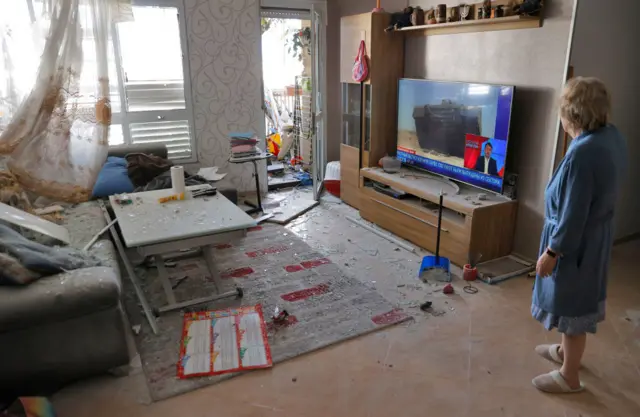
x,y
223,41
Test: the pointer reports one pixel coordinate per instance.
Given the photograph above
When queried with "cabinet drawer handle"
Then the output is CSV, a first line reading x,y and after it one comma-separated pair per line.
x,y
410,215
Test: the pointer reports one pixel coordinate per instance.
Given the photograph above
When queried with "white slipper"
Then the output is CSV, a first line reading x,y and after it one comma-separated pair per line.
x,y
554,383
550,353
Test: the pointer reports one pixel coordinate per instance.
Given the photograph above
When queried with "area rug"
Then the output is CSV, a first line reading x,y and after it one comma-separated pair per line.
x,y
276,269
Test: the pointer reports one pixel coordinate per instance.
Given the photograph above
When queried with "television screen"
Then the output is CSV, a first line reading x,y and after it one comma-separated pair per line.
x,y
458,130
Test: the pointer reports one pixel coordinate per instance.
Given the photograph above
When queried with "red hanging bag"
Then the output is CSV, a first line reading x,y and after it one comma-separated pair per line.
x,y
361,66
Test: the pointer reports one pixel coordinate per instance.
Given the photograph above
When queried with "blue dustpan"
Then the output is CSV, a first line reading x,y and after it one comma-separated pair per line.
x,y
437,262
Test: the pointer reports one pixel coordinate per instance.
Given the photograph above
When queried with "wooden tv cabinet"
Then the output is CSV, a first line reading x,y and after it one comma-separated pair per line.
x,y
469,226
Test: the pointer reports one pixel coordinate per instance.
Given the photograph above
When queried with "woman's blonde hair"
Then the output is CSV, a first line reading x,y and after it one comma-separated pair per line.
x,y
585,103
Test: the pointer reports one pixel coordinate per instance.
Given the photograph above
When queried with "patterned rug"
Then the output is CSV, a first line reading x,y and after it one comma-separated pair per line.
x,y
275,269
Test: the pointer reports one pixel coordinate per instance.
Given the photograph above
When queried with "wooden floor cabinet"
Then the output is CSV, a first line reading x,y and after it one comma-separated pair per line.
x,y
369,109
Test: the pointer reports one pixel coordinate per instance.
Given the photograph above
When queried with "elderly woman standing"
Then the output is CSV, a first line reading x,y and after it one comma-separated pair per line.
x,y
575,249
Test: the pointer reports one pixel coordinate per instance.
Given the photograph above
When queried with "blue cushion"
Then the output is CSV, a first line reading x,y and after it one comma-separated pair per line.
x,y
113,178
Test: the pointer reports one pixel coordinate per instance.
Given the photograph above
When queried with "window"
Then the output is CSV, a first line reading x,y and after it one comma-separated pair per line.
x,y
150,95
155,100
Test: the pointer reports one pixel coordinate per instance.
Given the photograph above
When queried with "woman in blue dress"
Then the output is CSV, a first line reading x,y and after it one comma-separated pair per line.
x,y
575,249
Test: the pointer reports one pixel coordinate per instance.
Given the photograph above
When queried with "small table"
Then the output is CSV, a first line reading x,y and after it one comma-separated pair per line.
x,y
154,229
254,159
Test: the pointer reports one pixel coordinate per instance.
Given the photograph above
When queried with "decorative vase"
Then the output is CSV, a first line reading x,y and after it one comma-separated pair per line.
x,y
417,17
454,14
430,16
441,13
465,12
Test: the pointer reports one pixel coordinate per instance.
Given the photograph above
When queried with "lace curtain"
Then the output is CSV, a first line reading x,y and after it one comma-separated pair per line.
x,y
55,111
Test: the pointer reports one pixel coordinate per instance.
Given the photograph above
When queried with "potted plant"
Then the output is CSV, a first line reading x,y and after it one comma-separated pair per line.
x,y
299,43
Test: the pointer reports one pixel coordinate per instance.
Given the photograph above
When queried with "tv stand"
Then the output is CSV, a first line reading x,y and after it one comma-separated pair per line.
x,y
435,177
470,226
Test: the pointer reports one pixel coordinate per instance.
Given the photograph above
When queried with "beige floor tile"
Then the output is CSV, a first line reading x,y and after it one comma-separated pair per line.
x,y
475,360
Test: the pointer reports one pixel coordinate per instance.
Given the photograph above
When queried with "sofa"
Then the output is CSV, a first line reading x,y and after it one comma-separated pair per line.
x,y
69,326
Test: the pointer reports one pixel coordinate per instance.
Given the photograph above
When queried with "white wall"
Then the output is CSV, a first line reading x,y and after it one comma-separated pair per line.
x,y
605,45
534,60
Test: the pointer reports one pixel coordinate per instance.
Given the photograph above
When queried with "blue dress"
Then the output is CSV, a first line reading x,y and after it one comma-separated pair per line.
x,y
579,220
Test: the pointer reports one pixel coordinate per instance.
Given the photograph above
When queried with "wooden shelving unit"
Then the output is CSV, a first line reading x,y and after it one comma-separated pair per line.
x,y
478,25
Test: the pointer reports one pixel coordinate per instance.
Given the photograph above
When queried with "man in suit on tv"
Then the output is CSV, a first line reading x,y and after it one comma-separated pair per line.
x,y
488,165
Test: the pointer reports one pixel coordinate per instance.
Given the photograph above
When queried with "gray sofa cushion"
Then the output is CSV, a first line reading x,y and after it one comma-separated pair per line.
x,y
83,221
59,297
72,294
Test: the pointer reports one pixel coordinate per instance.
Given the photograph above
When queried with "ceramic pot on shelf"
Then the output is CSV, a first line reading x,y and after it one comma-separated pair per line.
x,y
441,13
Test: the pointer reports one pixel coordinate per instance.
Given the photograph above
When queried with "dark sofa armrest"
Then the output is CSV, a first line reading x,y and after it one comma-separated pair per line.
x,y
159,150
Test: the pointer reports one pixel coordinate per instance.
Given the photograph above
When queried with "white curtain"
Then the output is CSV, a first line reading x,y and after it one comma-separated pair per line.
x,y
56,127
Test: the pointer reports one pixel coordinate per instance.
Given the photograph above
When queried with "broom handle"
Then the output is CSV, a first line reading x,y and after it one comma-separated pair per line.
x,y
378,4
439,229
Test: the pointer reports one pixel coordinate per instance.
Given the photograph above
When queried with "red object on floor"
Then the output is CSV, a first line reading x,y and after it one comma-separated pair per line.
x,y
293,268
255,229
448,289
392,317
469,274
315,263
237,273
306,293
333,187
288,322
332,178
223,246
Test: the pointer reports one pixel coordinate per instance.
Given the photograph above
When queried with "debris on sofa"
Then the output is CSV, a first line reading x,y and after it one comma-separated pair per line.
x,y
143,168
163,182
12,194
23,261
95,238
32,226
49,210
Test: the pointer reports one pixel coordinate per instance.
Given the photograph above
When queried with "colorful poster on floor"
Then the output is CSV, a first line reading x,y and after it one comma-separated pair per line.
x,y
223,341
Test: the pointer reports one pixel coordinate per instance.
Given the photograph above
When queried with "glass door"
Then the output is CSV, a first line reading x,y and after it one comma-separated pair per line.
x,y
318,102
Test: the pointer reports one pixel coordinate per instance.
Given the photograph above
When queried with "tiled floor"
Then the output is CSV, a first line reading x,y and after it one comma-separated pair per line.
x,y
475,360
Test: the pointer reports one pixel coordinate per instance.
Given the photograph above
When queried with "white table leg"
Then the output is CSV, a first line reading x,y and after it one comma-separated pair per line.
x,y
207,254
173,304
131,272
164,279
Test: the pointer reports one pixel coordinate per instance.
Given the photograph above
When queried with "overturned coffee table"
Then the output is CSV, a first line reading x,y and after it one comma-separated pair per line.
x,y
157,229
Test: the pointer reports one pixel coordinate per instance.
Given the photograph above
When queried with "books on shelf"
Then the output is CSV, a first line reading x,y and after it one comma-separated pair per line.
x,y
243,145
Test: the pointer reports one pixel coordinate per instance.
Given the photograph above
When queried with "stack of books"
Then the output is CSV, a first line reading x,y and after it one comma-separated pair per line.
x,y
243,145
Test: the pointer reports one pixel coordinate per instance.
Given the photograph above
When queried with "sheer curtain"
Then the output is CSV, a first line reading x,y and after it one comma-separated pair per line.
x,y
54,121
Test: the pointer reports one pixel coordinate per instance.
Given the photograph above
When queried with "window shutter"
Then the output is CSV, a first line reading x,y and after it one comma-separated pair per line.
x,y
156,109
173,134
155,95
276,13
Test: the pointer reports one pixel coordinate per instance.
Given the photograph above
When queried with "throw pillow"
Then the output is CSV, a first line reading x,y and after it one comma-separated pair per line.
x,y
113,178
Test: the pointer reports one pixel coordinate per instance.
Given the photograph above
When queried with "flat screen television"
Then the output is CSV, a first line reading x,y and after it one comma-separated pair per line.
x,y
457,130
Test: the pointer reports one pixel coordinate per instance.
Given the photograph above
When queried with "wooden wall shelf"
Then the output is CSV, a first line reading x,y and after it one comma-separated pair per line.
x,y
478,25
